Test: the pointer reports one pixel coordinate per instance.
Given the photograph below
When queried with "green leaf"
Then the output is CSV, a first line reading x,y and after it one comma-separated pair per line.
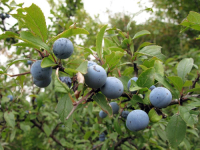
x,y
146,78
59,85
175,130
70,71
47,130
83,67
102,102
21,80
16,61
28,37
136,99
36,21
162,134
47,62
177,82
184,67
99,41
141,33
68,33
10,119
23,44
1,147
152,50
24,127
153,116
117,126
190,119
193,90
87,135
13,133
8,34
116,49
159,68
63,108
194,132
124,80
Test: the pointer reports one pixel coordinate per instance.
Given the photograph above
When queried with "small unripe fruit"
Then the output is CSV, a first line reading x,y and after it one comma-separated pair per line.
x,y
102,137
129,84
115,107
102,114
66,80
29,62
40,73
10,97
113,88
160,97
152,87
96,76
137,120
63,48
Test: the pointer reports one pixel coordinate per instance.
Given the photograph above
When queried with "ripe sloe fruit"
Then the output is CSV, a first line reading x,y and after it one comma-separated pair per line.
x,y
125,113
102,114
152,87
115,107
91,63
40,73
96,76
160,97
42,83
129,84
10,97
66,80
29,62
63,48
113,88
102,137
137,120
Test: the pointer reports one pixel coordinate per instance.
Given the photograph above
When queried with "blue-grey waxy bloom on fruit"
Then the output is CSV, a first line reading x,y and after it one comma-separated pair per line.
x,y
115,107
102,137
66,80
96,76
42,83
113,88
152,87
63,48
160,97
40,73
10,97
137,120
29,62
102,114
125,113
129,84
91,63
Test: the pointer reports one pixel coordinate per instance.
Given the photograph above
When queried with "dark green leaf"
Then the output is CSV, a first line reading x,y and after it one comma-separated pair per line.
x,y
10,119
83,67
99,41
184,67
141,33
24,127
102,102
47,130
13,133
47,62
21,80
177,82
146,78
63,108
176,130
117,126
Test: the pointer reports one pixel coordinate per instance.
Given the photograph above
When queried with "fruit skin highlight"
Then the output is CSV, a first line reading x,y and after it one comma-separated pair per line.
x,y
113,88
137,120
96,76
63,48
160,97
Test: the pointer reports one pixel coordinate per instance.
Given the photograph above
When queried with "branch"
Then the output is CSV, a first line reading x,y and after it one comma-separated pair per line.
x,y
18,74
194,83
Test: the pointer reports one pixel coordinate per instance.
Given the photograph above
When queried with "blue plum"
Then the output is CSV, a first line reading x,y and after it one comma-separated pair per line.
x,y
102,114
115,107
40,73
102,137
10,97
91,63
42,83
66,80
137,120
160,97
29,62
129,84
96,76
63,48
125,113
113,88
152,87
